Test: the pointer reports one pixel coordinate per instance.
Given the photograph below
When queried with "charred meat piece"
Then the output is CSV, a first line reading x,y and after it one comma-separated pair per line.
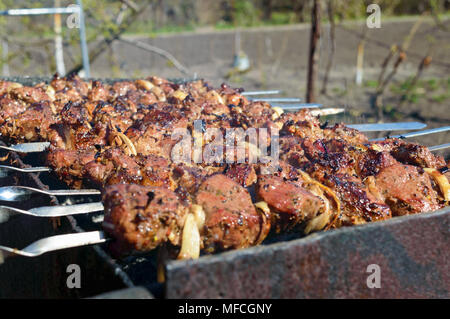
x,y
335,164
142,217
189,178
407,189
156,171
411,153
290,203
340,131
29,95
113,166
243,174
10,107
358,204
231,219
31,125
153,134
69,165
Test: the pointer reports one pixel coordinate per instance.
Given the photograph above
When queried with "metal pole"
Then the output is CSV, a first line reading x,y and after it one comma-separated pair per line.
x,y
84,47
59,55
38,11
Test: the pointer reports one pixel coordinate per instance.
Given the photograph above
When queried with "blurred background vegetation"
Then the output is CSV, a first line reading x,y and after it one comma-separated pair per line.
x,y
108,19
185,15
406,62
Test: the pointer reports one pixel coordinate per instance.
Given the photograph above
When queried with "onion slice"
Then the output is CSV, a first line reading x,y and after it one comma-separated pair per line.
x,y
190,242
441,180
128,142
319,222
144,84
277,112
199,215
263,209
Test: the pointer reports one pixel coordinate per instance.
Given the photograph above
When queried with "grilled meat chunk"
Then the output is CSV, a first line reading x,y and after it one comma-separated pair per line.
x,y
231,219
411,153
290,204
31,125
142,217
69,165
407,189
243,174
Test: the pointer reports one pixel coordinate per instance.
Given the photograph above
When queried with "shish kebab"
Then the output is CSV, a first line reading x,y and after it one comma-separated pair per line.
x,y
319,182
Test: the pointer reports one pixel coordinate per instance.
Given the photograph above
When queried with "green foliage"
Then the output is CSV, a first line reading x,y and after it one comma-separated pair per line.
x,y
414,93
371,84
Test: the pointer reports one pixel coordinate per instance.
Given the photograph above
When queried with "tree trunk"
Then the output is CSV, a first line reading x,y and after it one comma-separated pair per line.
x,y
313,52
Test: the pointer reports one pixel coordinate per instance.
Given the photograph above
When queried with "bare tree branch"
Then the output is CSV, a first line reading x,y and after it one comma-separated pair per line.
x,y
161,52
108,40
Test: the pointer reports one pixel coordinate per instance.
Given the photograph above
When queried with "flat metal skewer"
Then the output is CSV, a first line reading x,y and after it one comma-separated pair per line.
x,y
398,126
27,147
276,99
18,193
5,170
268,92
418,133
55,243
327,111
296,106
439,147
51,211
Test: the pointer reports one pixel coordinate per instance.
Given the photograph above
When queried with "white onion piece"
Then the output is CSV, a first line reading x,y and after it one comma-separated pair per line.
x,y
190,242
144,84
50,91
199,215
441,180
180,95
263,207
128,142
318,222
277,112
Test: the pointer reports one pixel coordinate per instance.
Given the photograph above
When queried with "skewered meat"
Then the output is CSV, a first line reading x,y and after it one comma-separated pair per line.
x,y
141,218
119,138
290,203
30,125
231,219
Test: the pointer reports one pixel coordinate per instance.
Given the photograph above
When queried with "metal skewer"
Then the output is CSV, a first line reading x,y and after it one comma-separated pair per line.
x,y
327,111
27,147
52,211
276,99
398,126
439,147
418,133
55,243
269,92
17,193
297,106
5,170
